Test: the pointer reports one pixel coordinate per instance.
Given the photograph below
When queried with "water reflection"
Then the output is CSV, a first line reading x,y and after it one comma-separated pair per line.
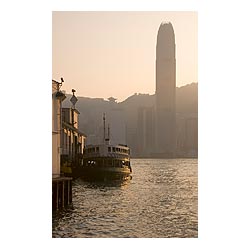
x,y
100,184
161,200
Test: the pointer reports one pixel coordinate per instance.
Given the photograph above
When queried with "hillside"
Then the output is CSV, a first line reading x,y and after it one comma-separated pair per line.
x,y
91,109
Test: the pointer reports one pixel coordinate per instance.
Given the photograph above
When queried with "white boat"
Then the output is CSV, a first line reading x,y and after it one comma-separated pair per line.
x,y
106,160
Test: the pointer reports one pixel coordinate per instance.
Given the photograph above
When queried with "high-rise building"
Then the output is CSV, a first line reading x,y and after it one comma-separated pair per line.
x,y
145,131
165,91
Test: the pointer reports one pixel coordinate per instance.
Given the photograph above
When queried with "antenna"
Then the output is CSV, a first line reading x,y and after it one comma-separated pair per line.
x,y
108,132
104,132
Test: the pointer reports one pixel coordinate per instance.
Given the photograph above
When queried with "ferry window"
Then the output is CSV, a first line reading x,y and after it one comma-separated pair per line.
x,y
97,149
109,149
91,150
113,148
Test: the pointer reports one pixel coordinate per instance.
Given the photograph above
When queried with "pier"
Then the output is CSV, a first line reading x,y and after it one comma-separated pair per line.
x,y
68,143
61,192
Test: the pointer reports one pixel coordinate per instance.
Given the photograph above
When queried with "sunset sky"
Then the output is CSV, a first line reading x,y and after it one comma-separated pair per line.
x,y
103,54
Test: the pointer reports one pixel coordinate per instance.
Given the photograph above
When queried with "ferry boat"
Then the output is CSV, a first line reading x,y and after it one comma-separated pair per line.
x,y
106,160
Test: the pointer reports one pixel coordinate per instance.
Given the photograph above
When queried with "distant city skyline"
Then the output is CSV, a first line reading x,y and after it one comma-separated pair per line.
x,y
103,54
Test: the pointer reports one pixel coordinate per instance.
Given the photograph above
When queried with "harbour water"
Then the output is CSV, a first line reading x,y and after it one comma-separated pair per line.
x,y
160,201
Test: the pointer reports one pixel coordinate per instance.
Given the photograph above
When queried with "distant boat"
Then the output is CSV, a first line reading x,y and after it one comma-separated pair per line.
x,y
105,160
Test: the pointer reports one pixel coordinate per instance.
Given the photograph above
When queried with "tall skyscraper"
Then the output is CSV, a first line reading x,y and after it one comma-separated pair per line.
x,y
165,91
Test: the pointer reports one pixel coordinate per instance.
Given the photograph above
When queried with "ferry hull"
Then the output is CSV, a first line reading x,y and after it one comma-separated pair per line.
x,y
102,173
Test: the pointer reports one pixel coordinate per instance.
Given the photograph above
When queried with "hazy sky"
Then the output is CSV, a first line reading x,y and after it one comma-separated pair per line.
x,y
103,54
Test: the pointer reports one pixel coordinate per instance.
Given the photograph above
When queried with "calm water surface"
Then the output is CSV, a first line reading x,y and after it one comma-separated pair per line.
x,y
161,200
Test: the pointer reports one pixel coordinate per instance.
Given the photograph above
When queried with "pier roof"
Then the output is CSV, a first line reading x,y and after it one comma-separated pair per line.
x,y
65,124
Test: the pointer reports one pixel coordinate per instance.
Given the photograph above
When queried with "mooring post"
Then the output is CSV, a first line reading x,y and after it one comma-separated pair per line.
x,y
68,192
63,193
57,192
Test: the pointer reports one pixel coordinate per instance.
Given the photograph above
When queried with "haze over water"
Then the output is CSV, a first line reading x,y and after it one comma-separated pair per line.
x,y
161,200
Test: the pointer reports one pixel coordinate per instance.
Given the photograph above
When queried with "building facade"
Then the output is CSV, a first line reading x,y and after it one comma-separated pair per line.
x,y
72,140
57,98
187,135
145,131
165,91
